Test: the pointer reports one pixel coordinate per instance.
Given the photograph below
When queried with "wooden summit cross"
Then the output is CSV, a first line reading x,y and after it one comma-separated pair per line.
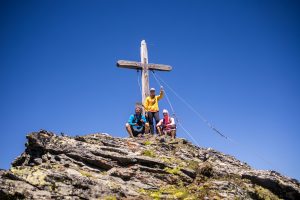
x,y
144,66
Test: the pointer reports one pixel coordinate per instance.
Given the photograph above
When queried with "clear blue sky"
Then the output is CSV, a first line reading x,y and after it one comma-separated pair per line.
x,y
236,62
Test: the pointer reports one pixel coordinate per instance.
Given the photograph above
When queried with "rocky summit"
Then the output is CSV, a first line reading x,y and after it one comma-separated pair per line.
x,y
99,166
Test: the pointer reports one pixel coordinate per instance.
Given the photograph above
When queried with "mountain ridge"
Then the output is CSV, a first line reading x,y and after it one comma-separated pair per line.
x,y
100,166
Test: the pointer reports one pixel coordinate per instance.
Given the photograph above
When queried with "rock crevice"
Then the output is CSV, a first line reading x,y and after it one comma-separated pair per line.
x,y
99,166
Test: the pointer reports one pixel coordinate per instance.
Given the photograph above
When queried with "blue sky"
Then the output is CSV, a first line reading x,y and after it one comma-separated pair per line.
x,y
236,62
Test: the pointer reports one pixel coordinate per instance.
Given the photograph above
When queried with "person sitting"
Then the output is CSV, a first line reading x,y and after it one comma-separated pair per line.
x,y
137,124
167,126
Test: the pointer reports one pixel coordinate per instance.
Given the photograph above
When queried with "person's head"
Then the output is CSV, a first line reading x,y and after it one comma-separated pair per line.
x,y
152,92
138,110
165,113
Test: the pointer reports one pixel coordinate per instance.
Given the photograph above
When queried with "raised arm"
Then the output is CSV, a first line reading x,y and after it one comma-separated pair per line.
x,y
161,95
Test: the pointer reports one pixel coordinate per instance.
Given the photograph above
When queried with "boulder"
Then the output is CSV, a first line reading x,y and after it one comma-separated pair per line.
x,y
100,166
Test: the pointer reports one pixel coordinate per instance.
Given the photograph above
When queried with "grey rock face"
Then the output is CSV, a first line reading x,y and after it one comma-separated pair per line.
x,y
99,166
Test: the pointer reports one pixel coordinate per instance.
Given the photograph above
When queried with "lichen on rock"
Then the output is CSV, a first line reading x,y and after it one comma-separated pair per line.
x,y
99,166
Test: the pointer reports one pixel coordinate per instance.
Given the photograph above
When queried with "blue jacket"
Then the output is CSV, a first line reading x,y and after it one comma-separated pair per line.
x,y
134,119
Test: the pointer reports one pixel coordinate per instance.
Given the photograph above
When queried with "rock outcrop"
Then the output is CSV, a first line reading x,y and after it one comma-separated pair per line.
x,y
99,166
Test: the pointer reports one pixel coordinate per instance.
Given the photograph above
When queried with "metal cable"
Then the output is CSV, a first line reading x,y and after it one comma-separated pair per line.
x,y
172,108
215,130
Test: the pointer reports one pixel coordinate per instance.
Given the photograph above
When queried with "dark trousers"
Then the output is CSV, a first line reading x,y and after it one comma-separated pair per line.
x,y
152,115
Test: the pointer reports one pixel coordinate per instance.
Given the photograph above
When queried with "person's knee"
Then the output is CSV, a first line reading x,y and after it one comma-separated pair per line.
x,y
146,125
127,125
174,133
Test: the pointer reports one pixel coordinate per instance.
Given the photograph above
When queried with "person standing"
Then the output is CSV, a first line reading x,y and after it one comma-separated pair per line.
x,y
151,107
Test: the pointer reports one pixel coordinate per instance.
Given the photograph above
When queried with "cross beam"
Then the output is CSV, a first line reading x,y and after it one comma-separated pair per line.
x,y
144,66
139,66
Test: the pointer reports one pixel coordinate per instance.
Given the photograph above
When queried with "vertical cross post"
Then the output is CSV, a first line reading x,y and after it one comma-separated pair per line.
x,y
145,71
144,66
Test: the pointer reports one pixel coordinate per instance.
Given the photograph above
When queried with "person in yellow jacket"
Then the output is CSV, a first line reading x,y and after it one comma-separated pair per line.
x,y
151,107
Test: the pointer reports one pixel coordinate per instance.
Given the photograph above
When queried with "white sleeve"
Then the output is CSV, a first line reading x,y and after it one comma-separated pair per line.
x,y
172,121
160,122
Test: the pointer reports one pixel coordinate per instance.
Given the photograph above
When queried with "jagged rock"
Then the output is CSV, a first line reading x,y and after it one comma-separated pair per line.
x,y
279,185
99,166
